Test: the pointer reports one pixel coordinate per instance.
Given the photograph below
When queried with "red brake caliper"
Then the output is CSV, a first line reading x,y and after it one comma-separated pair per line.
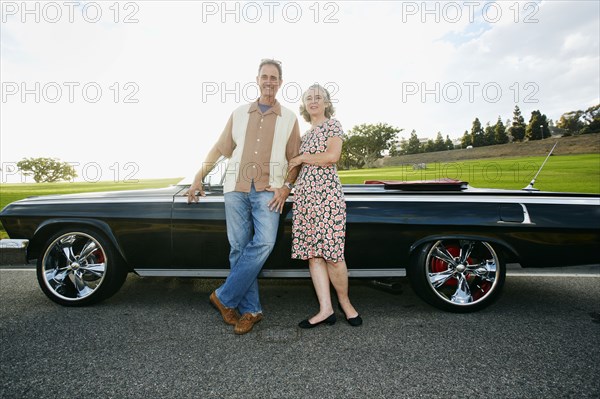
x,y
99,256
438,265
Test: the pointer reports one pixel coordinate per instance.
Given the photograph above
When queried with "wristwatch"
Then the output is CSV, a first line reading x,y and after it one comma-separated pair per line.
x,y
288,185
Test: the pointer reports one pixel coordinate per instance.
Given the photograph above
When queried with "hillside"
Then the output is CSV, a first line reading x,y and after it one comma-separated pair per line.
x,y
584,144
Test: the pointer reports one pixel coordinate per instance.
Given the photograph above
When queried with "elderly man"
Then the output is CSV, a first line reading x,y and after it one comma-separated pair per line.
x,y
259,139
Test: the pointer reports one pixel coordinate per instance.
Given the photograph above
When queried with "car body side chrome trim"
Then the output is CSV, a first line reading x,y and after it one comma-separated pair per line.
x,y
466,198
271,273
526,218
14,243
94,200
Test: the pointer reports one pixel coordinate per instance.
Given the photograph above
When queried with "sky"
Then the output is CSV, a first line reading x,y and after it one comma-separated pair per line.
x,y
142,89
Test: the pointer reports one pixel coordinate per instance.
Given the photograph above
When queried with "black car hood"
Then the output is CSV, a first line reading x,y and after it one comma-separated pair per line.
x,y
106,195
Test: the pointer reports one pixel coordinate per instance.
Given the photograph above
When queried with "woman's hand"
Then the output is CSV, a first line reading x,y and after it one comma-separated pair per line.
x,y
296,161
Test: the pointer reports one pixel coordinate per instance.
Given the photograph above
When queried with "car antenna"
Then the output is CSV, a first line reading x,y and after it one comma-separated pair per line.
x,y
530,186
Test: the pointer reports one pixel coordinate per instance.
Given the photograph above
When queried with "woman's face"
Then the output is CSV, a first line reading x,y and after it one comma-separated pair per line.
x,y
315,103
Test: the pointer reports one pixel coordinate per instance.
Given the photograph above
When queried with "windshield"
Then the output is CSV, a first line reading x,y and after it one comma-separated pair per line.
x,y
215,177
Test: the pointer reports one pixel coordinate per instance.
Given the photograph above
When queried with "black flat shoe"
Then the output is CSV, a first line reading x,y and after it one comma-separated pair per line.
x,y
307,324
354,321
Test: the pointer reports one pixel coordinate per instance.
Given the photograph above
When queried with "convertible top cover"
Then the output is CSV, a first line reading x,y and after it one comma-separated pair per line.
x,y
444,184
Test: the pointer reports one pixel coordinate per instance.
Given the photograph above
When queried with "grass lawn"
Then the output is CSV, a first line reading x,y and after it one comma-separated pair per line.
x,y
565,173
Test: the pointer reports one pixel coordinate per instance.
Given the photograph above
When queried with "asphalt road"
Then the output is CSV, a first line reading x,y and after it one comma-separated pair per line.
x,y
159,338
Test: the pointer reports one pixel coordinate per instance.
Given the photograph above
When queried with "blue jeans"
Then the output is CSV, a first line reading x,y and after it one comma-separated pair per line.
x,y
251,230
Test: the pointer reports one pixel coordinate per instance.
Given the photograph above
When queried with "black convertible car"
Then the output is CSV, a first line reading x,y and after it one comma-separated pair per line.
x,y
452,240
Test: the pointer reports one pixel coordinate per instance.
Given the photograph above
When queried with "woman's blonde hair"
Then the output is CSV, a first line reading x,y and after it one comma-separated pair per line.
x,y
329,110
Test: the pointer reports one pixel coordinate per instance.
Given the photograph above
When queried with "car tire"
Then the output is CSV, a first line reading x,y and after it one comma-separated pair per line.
x,y
79,266
457,275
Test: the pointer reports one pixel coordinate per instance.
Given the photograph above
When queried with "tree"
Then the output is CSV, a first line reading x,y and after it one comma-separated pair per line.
x,y
394,150
477,134
537,129
350,157
500,136
46,170
517,129
413,145
580,122
366,143
571,122
489,134
591,116
448,143
466,140
429,146
438,144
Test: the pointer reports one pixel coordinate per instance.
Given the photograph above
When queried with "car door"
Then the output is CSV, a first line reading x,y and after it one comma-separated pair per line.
x,y
198,232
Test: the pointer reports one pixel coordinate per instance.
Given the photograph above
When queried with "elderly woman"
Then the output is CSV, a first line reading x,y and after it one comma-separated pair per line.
x,y
319,213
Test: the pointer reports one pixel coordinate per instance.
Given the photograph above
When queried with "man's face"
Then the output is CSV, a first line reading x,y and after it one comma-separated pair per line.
x,y
268,80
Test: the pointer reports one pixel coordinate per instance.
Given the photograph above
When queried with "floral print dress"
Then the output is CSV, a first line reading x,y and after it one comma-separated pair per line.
x,y
319,213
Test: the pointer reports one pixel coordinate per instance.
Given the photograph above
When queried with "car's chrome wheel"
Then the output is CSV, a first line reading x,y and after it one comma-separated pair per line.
x,y
79,267
458,275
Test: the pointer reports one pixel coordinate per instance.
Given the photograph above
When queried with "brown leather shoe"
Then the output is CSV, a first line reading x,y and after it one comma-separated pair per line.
x,y
246,322
230,315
